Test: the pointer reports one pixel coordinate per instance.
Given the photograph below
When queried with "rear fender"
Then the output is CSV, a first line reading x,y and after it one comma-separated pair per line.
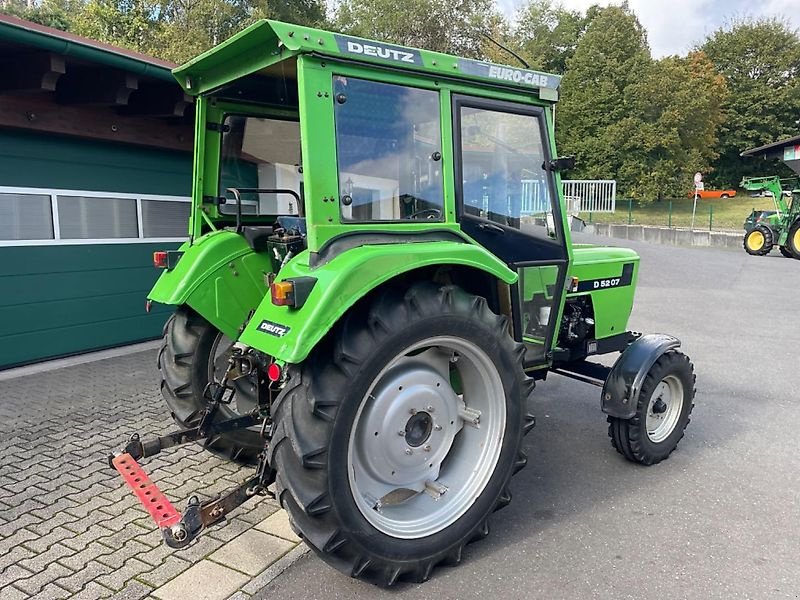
x,y
220,277
289,334
624,382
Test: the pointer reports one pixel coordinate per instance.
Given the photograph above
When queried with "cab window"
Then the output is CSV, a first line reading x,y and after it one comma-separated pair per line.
x,y
388,146
502,155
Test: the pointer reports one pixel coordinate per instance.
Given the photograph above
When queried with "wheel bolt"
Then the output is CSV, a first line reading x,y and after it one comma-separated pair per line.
x,y
437,427
401,433
427,448
409,451
413,411
429,409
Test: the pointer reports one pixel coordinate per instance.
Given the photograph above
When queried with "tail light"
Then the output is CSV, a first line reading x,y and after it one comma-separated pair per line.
x,y
166,259
274,372
282,293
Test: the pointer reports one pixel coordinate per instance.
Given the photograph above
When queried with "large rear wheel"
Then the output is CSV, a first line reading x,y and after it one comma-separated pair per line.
x,y
396,439
793,240
194,352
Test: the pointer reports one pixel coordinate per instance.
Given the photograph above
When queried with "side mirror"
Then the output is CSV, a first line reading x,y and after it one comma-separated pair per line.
x,y
562,163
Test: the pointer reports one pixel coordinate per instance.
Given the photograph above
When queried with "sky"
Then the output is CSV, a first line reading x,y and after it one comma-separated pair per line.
x,y
675,26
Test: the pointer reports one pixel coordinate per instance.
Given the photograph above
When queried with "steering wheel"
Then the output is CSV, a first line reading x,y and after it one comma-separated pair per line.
x,y
434,213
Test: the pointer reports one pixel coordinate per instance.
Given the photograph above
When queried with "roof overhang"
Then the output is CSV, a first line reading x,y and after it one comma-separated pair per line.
x,y
777,149
59,83
40,37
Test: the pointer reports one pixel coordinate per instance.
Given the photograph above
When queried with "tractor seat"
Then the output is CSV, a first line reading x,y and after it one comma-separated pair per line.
x,y
257,236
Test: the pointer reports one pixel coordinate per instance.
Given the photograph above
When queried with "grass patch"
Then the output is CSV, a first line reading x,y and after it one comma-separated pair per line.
x,y
728,214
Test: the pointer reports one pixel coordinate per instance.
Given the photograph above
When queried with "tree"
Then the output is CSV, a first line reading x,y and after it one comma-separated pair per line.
x,y
547,34
670,130
454,27
760,60
52,13
648,124
611,55
178,30
133,24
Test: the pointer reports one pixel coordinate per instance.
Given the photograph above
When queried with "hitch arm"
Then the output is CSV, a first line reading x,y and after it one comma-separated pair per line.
x,y
138,449
179,530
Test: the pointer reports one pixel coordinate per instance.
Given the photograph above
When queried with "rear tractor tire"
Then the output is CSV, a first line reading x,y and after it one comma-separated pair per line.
x,y
397,437
193,352
758,241
665,404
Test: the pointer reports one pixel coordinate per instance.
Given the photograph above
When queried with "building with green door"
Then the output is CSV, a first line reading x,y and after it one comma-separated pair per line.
x,y
95,174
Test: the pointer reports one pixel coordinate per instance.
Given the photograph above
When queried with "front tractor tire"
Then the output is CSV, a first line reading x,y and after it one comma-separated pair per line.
x,y
665,404
758,241
397,437
194,352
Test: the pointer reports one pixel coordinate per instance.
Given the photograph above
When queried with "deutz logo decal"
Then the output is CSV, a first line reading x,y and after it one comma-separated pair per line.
x,y
273,328
350,45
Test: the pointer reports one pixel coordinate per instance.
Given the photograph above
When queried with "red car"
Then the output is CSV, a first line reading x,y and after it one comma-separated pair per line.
x,y
708,194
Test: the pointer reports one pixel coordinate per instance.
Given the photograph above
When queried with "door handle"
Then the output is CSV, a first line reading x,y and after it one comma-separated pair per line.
x,y
491,227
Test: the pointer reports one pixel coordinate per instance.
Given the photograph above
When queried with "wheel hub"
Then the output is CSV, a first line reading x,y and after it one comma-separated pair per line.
x,y
664,409
418,429
416,402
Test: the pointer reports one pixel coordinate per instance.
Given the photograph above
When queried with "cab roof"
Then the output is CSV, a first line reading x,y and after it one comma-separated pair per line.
x,y
267,42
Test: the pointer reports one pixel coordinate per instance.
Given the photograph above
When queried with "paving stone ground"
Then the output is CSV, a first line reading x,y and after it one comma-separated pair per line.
x,y
69,528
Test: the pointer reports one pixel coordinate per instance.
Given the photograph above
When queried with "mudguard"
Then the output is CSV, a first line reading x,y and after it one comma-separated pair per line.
x,y
289,334
220,277
624,382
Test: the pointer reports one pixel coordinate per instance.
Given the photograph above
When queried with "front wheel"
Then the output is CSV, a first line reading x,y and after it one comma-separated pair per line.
x,y
665,403
758,241
396,439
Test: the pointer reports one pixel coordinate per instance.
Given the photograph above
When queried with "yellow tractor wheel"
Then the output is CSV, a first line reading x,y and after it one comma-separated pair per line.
x,y
758,241
793,241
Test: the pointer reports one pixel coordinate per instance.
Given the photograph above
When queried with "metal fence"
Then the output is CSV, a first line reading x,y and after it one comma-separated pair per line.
x,y
597,195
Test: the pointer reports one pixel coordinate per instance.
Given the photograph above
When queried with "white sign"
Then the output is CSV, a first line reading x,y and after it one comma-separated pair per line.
x,y
698,178
699,186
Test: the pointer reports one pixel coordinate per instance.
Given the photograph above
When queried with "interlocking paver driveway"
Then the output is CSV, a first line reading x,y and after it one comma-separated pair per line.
x,y
68,526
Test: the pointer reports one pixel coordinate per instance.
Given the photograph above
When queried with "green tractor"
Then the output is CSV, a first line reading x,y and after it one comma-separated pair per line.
x,y
766,229
378,270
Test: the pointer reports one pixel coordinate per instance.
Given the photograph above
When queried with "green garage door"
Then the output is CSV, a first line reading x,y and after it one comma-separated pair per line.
x,y
79,221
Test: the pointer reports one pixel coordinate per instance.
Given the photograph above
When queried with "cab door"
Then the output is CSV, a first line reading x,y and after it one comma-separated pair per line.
x,y
508,202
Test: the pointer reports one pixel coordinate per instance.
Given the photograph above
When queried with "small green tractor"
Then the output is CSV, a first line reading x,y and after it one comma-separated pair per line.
x,y
765,229
378,269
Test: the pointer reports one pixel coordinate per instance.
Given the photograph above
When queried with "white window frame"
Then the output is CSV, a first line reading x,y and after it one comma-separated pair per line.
x,y
57,241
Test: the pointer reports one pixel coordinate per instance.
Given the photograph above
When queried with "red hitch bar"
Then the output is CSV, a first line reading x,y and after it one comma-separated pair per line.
x,y
160,509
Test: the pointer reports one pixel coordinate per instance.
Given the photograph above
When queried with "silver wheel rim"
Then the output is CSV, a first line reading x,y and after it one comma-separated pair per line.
x,y
245,400
420,453
664,409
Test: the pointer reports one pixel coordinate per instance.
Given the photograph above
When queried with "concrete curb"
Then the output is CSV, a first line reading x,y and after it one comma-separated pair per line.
x,y
668,235
77,359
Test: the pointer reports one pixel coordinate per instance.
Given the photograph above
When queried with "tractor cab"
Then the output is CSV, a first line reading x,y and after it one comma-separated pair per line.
x,y
315,143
